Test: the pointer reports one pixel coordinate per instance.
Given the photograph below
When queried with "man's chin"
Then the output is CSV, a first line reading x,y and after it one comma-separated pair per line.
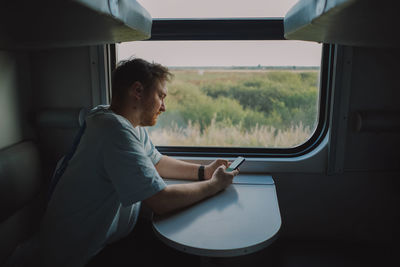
x,y
152,122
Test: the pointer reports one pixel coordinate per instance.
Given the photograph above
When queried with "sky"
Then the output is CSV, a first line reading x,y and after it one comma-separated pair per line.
x,y
221,53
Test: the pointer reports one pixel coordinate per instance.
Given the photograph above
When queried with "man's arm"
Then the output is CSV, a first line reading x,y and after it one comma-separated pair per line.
x,y
169,167
177,196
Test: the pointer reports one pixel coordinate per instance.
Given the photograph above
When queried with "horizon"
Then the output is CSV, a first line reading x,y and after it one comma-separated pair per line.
x,y
246,67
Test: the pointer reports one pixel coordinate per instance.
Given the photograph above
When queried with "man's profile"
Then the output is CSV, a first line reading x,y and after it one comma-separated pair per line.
x,y
116,167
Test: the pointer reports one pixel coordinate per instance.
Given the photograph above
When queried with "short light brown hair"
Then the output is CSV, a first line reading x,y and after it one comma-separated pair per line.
x,y
137,70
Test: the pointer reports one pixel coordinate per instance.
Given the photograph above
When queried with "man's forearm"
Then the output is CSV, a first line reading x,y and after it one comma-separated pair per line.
x,y
169,167
177,196
182,195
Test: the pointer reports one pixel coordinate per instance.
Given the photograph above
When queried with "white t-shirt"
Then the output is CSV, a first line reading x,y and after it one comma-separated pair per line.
x,y
113,166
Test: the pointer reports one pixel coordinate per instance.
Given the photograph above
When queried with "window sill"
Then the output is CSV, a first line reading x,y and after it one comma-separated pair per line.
x,y
314,162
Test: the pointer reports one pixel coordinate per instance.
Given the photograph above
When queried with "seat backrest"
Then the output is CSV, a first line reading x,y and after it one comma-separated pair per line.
x,y
21,189
63,163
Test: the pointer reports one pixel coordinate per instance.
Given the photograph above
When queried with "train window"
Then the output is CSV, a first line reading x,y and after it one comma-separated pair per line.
x,y
235,93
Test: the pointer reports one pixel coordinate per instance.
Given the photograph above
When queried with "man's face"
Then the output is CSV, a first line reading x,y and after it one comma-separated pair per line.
x,y
153,103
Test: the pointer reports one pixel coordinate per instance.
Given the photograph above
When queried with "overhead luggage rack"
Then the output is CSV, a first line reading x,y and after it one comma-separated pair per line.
x,y
348,22
26,24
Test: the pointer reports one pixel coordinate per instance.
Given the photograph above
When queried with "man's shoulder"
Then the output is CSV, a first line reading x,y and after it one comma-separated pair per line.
x,y
105,120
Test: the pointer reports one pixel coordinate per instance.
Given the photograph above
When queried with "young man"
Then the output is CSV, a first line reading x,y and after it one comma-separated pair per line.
x,y
116,167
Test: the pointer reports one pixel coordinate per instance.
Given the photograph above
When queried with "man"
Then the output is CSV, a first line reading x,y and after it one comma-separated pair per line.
x,y
116,167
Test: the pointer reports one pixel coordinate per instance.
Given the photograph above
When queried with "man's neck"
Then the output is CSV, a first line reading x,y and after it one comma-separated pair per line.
x,y
126,113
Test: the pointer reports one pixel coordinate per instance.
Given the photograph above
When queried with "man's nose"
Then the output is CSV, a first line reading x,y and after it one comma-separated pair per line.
x,y
163,108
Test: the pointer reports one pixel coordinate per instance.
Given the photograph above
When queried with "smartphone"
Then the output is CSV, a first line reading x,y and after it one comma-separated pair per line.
x,y
238,161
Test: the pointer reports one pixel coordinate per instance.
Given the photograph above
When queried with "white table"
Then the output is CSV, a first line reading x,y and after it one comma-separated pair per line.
x,y
242,219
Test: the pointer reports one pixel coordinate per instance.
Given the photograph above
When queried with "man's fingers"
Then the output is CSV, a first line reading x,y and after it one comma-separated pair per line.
x,y
222,167
222,162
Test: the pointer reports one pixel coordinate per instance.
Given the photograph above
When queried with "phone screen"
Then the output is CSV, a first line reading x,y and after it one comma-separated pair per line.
x,y
238,161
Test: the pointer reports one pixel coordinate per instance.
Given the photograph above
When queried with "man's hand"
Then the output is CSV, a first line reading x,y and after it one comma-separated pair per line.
x,y
210,168
222,179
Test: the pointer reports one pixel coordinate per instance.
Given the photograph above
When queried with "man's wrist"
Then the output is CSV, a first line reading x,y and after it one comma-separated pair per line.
x,y
200,173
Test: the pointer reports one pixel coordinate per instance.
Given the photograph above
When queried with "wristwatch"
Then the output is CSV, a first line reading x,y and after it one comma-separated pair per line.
x,y
201,173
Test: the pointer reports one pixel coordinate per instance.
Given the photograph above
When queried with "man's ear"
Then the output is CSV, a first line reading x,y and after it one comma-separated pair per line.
x,y
136,90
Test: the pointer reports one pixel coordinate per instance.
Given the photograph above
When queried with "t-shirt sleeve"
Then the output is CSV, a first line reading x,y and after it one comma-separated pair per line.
x,y
150,149
129,168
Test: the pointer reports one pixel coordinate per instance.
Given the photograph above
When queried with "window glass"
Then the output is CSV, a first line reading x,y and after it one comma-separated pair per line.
x,y
216,8
235,93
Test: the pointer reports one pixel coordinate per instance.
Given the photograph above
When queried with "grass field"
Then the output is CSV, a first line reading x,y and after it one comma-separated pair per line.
x,y
240,108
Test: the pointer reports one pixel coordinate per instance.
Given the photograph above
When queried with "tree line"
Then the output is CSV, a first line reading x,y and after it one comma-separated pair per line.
x,y
280,99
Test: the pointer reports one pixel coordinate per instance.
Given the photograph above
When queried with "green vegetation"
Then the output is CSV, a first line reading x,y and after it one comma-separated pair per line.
x,y
248,108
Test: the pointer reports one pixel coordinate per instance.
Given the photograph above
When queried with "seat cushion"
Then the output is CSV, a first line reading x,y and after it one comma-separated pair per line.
x,y
21,204
20,177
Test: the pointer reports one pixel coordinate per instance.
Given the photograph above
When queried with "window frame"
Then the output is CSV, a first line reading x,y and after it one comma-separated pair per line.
x,y
245,29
